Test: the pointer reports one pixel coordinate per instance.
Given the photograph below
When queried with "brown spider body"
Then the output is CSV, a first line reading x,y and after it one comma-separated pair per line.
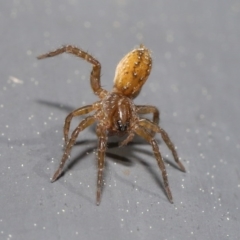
x,y
115,113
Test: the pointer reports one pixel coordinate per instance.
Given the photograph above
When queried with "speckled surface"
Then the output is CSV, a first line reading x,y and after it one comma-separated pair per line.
x,y
194,82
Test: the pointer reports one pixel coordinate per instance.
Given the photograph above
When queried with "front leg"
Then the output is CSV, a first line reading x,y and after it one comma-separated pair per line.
x,y
84,124
102,146
154,128
145,109
142,132
78,112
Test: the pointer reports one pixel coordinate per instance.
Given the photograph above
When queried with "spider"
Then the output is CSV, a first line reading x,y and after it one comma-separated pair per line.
x,y
115,112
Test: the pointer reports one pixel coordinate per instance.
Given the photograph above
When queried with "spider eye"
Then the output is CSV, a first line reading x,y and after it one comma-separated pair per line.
x,y
122,127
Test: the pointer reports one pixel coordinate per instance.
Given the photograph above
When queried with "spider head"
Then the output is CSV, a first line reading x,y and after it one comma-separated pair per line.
x,y
118,109
122,115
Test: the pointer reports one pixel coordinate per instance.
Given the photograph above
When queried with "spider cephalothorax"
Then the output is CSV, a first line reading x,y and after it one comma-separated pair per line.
x,y
115,112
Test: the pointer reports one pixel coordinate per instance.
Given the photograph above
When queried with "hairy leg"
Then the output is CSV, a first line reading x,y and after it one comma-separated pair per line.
x,y
102,145
128,139
145,109
84,124
96,71
141,131
149,125
77,112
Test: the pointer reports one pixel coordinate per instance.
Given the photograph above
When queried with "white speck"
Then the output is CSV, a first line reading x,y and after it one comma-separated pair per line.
x,y
87,24
34,224
174,88
227,138
15,80
46,34
214,124
168,55
29,52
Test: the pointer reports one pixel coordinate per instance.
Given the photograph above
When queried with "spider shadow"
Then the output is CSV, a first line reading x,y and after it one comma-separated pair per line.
x,y
124,160
66,108
154,172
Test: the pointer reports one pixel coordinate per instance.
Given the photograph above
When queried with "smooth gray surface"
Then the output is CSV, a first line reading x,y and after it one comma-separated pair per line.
x,y
195,84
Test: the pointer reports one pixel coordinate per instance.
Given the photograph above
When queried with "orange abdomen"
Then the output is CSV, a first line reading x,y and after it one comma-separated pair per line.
x,y
132,72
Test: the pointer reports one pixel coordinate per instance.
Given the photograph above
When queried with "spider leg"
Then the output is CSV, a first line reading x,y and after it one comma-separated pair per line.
x,y
141,131
77,112
82,125
102,146
145,109
155,128
128,139
96,70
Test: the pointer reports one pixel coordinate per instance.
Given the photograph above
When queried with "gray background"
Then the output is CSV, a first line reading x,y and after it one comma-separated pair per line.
x,y
194,82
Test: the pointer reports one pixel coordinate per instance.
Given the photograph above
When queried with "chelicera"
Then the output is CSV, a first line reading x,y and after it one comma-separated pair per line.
x,y
115,112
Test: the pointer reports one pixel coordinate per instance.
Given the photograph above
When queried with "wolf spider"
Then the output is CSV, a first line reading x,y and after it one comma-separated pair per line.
x,y
116,113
